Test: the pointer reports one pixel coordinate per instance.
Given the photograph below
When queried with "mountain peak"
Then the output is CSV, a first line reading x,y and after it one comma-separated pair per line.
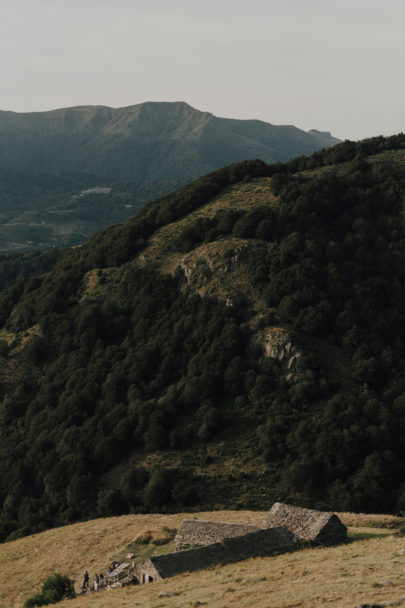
x,y
325,135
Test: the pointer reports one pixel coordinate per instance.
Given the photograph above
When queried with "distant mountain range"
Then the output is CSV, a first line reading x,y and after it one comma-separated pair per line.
x,y
169,141
154,146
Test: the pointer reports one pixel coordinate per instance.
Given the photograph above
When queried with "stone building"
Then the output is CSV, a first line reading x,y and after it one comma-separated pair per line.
x,y
199,533
255,544
321,527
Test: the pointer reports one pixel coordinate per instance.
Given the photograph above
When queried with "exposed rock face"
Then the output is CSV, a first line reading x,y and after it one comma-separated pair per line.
x,y
219,270
212,270
198,533
320,527
277,344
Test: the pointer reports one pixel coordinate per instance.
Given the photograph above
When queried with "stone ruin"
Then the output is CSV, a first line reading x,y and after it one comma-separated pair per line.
x,y
201,544
255,544
320,527
199,533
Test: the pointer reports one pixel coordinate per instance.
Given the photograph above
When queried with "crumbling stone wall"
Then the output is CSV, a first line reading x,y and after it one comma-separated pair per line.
x,y
199,533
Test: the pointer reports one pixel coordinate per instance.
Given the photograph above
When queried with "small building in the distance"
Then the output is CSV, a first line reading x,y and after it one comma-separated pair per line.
x,y
321,527
199,533
256,544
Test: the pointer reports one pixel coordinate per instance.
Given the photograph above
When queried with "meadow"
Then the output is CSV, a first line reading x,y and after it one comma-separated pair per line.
x,y
368,569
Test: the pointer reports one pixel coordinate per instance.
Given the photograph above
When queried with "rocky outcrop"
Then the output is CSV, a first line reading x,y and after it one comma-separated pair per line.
x,y
276,344
216,270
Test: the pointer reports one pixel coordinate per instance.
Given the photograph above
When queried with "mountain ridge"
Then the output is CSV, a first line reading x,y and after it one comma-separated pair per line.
x,y
118,114
140,151
149,122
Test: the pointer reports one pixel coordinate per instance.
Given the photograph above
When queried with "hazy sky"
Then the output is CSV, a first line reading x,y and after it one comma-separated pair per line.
x,y
335,65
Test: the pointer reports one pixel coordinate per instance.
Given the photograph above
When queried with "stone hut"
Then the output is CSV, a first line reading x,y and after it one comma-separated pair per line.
x,y
321,527
255,544
199,533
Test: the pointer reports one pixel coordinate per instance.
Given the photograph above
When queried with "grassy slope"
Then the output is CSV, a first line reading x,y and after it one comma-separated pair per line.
x,y
341,576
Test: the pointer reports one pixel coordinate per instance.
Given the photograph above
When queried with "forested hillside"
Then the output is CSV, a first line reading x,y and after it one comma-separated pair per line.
x,y
42,210
51,164
237,341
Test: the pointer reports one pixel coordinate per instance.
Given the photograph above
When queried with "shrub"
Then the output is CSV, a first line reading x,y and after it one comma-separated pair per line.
x,y
54,589
35,600
145,538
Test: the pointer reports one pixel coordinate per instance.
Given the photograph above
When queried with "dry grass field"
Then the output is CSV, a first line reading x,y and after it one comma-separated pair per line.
x,y
371,568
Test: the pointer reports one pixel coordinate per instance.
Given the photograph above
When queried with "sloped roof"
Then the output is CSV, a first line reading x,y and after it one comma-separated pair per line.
x,y
256,544
307,524
199,532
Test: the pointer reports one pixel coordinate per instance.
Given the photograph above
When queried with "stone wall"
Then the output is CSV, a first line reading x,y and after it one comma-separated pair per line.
x,y
199,533
230,550
321,527
147,573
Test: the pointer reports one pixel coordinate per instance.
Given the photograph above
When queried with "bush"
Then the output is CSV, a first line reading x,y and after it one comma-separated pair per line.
x,y
35,600
54,589
145,538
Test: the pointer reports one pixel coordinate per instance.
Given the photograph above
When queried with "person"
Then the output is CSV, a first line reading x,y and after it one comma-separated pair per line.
x,y
85,580
95,583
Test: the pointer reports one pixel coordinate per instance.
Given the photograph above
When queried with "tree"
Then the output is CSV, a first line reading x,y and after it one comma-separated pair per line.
x,y
157,491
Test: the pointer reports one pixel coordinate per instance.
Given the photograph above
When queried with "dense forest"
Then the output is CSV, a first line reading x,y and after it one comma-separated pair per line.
x,y
92,380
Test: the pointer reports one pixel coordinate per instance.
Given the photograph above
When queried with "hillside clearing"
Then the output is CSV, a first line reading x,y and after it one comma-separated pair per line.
x,y
239,197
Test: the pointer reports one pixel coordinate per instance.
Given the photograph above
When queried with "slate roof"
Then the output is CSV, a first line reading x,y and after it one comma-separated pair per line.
x,y
322,527
199,532
256,544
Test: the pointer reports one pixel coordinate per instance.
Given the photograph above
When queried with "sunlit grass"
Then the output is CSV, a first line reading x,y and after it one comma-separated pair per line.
x,y
343,576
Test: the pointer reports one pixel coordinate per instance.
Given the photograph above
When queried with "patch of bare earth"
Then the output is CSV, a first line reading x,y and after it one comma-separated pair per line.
x,y
10,368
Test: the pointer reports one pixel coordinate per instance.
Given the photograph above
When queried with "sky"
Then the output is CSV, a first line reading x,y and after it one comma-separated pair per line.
x,y
332,65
